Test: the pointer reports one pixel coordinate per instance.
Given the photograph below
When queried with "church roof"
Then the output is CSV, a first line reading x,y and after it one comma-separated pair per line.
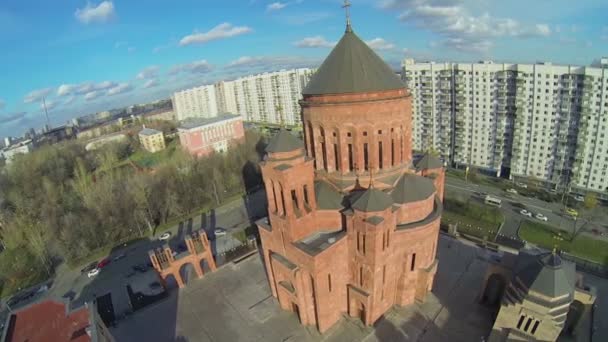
x,y
371,200
284,142
352,67
546,274
412,188
428,161
327,197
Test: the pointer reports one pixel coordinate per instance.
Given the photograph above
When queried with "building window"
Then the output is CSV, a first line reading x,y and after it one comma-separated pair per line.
x,y
336,162
329,281
413,265
535,327
521,321
365,157
380,159
294,199
306,195
528,324
361,276
350,157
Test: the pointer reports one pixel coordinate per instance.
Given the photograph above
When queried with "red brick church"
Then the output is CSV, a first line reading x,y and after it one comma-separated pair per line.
x,y
353,220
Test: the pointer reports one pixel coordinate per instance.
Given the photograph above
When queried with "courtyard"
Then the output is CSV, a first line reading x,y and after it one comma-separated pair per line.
x,y
235,304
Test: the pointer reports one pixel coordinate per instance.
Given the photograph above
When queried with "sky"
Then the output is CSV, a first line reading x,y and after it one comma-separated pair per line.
x,y
87,56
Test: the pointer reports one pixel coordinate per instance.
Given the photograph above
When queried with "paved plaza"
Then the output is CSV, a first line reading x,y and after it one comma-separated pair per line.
x,y
235,304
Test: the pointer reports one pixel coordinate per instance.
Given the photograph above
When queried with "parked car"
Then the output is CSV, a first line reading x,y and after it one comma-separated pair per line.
x,y
541,217
512,191
220,232
525,213
93,272
140,268
89,267
579,198
103,263
165,236
522,185
571,212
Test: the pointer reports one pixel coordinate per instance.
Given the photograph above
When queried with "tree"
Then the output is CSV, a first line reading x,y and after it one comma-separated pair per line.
x,y
590,200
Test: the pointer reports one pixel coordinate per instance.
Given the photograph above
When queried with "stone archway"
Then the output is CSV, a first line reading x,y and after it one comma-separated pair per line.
x,y
187,272
495,287
170,282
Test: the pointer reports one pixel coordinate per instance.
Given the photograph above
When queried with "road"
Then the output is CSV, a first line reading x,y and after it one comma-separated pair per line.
x,y
513,203
232,216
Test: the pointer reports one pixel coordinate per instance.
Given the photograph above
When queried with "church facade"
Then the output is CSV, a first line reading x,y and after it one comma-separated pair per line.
x,y
353,219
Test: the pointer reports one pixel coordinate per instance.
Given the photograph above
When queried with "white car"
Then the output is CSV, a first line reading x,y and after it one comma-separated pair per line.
x,y
219,232
541,217
512,191
525,213
165,236
522,185
93,272
579,198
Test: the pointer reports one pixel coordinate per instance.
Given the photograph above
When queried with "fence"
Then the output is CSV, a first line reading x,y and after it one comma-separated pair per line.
x,y
237,252
586,265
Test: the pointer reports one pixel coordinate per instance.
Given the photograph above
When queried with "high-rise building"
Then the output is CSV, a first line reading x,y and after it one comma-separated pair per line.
x,y
269,97
353,223
195,102
540,121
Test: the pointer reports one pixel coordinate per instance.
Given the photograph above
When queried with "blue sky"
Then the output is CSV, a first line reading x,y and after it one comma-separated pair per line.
x,y
86,56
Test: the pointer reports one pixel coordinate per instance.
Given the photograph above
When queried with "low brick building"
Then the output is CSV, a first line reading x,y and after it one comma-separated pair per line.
x,y
152,140
200,136
353,223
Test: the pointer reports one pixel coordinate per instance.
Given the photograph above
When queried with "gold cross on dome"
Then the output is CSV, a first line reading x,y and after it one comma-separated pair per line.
x,y
346,7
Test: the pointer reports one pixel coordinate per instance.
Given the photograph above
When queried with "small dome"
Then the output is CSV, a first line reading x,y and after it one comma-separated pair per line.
x,y
284,142
371,200
412,188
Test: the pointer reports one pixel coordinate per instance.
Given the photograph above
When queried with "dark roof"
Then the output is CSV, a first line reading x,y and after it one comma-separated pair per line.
x,y
412,188
284,142
327,197
428,161
149,131
375,220
319,241
546,274
194,122
371,200
352,67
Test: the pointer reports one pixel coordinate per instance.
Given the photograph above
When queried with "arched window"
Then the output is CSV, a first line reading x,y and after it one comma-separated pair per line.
x,y
323,148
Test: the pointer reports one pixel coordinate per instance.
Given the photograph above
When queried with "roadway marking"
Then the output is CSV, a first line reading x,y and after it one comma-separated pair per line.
x,y
503,198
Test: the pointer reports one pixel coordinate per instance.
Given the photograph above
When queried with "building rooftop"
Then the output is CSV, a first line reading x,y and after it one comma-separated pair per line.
x,y
428,161
371,200
412,188
284,142
546,273
191,123
48,321
320,241
352,67
149,131
327,196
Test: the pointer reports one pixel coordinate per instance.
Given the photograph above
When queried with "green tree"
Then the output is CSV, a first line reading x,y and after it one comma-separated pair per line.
x,y
590,200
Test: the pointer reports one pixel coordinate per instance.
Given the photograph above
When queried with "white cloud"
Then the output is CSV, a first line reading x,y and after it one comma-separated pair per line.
x,y
457,27
148,72
83,88
221,31
12,117
275,6
65,89
96,14
151,83
267,63
314,42
90,96
50,105
120,89
2,104
69,100
380,44
37,95
196,67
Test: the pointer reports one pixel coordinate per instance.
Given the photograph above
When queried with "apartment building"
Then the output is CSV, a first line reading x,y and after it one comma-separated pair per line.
x,y
200,137
270,97
542,121
195,102
152,140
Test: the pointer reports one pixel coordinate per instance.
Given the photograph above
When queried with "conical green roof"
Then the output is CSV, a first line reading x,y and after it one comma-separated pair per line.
x,y
284,142
352,67
372,200
546,273
412,188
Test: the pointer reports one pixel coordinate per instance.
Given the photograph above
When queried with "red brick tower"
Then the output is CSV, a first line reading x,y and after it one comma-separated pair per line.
x,y
353,224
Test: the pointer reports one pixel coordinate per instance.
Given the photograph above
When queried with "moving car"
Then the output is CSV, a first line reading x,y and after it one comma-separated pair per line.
x,y
525,213
93,272
571,212
89,267
165,236
541,217
219,232
522,185
512,191
579,198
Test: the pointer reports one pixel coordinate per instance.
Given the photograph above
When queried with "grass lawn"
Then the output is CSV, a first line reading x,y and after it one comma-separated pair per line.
x,y
582,246
146,159
473,219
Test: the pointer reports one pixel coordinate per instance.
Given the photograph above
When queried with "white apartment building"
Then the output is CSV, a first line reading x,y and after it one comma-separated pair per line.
x,y
195,102
517,120
267,98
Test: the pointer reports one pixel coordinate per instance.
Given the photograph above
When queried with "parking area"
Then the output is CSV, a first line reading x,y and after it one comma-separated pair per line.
x,y
235,304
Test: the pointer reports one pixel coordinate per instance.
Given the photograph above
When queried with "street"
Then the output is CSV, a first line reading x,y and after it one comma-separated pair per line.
x,y
513,203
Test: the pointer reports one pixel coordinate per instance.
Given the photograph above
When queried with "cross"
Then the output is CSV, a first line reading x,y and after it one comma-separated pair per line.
x,y
346,7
